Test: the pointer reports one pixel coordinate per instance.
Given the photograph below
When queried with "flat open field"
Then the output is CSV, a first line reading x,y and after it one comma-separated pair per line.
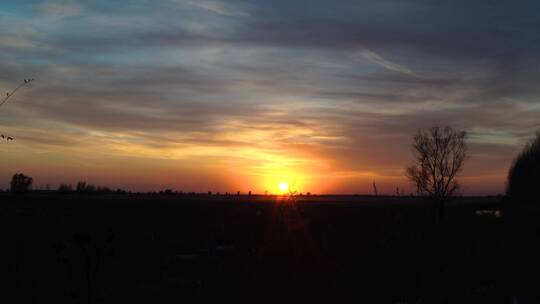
x,y
120,248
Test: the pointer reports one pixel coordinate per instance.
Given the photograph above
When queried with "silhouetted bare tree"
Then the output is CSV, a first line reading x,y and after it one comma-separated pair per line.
x,y
524,174
439,157
20,183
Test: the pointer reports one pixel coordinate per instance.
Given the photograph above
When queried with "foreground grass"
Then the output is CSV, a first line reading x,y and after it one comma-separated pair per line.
x,y
71,248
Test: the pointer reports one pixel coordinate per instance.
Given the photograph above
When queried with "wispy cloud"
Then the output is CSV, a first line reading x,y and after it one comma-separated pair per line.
x,y
387,64
59,10
16,42
220,8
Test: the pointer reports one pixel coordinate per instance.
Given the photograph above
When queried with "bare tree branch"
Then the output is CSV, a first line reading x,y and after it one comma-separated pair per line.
x,y
9,94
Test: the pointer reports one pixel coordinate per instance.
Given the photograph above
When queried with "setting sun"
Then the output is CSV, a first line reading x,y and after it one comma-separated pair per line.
x,y
283,187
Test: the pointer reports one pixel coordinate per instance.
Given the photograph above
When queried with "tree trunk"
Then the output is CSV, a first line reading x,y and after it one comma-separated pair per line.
x,y
441,206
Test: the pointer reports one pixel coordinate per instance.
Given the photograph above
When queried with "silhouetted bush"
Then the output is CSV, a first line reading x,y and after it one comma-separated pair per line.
x,y
524,174
103,189
166,192
84,188
81,186
20,183
65,188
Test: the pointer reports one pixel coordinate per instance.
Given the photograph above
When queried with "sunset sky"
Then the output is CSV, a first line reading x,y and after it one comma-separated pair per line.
x,y
199,95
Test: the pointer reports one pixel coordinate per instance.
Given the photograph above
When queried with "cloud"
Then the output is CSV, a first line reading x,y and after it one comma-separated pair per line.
x,y
18,35
378,59
14,42
59,10
220,8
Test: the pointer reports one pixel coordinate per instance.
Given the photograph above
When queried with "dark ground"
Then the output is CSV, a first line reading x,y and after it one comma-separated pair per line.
x,y
150,248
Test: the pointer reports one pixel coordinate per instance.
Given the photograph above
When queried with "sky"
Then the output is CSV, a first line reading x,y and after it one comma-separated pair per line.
x,y
214,95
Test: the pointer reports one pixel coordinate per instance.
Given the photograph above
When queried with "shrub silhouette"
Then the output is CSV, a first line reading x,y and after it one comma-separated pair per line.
x,y
83,187
166,192
65,188
20,183
524,174
103,189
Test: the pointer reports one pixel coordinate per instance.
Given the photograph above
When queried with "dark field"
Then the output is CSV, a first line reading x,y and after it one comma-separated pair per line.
x,y
144,248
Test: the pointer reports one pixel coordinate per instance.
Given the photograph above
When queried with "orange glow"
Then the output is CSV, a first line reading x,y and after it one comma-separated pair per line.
x,y
124,160
282,180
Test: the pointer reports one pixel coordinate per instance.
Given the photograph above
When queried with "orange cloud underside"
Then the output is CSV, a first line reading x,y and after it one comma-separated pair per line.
x,y
256,158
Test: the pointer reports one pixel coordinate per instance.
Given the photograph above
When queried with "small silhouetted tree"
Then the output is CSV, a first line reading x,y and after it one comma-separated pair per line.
x,y
20,183
524,174
439,156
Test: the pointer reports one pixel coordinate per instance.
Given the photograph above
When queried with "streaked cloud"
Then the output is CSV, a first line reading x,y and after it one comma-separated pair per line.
x,y
235,93
378,59
219,7
60,9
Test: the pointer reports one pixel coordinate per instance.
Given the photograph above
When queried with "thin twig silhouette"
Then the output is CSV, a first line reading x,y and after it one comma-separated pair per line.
x,y
9,94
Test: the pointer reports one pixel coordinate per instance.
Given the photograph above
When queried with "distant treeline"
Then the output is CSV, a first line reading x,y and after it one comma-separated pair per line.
x,y
21,184
84,187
